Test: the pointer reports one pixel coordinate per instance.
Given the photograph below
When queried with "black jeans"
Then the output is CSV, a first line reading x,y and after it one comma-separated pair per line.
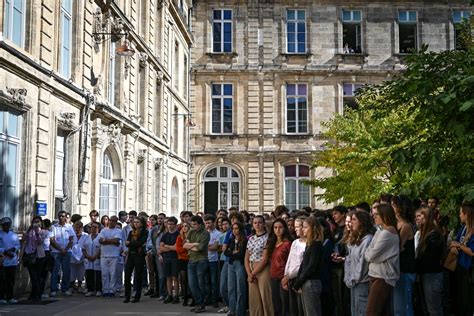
x,y
296,306
35,272
135,263
280,298
462,298
47,268
94,280
7,282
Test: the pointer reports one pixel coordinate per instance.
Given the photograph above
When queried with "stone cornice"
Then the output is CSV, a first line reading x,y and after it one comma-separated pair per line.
x,y
15,98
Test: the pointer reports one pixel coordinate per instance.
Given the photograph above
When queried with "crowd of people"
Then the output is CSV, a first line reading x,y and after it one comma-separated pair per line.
x,y
394,257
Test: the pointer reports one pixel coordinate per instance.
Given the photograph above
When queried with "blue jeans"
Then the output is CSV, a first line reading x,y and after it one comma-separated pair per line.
x,y
223,284
161,286
311,297
62,263
403,295
212,287
237,285
359,299
197,280
433,292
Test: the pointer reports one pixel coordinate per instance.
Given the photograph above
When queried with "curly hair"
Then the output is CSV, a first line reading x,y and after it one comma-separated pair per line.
x,y
366,227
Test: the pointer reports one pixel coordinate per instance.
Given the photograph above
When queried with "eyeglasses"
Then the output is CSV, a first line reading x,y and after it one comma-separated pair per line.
x,y
62,216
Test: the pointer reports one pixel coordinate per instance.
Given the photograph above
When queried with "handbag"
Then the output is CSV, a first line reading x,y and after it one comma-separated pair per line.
x,y
29,259
451,261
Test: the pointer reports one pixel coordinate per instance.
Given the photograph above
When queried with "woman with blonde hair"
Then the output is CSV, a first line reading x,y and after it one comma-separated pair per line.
x,y
308,281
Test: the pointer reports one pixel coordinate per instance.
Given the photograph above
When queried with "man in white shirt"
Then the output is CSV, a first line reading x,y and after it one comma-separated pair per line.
x,y
110,239
61,244
9,247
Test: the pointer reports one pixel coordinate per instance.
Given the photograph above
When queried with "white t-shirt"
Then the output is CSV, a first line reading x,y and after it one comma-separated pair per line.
x,y
47,241
61,235
93,247
213,255
294,259
78,246
110,251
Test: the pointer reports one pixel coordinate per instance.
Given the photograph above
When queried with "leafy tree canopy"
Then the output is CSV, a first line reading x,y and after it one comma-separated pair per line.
x,y
413,135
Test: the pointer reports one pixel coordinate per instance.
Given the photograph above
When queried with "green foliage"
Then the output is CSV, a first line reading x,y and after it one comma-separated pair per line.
x,y
412,135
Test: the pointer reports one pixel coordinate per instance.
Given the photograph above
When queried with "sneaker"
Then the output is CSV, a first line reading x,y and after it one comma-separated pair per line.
x,y
98,294
12,301
169,299
88,294
3,302
68,293
199,309
53,294
44,296
224,309
161,298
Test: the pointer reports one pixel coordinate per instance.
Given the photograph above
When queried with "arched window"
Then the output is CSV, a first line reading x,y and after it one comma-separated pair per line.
x,y
174,196
221,189
108,195
296,192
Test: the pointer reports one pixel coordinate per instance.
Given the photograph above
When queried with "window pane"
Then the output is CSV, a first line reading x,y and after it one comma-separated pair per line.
x,y
227,89
2,154
227,32
235,187
12,125
456,16
301,38
302,104
291,38
216,104
356,16
301,15
291,28
223,193
346,15
67,5
347,89
291,47
216,127
301,47
11,167
217,33
412,16
227,127
302,89
113,190
234,174
290,171
227,47
290,89
212,173
291,14
227,14
303,171
227,104
216,89
217,14
17,23
402,16
223,171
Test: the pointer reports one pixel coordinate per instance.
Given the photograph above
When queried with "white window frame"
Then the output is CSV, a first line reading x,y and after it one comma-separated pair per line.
x,y
107,179
65,70
353,90
297,21
297,97
407,21
222,97
8,139
229,180
297,178
222,21
60,165
176,65
174,196
111,75
353,21
10,25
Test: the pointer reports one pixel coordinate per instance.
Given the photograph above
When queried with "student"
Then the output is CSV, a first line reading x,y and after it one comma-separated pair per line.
x,y
61,244
308,281
110,240
258,270
80,244
196,244
337,271
92,262
94,216
356,268
429,256
224,262
292,267
183,259
136,243
170,260
236,276
464,247
212,293
383,255
278,247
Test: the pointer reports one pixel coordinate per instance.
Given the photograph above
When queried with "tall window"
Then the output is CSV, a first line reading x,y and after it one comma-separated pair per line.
x,y
158,108
296,192
222,104
14,21
175,139
458,18
407,33
296,31
157,189
10,141
174,196
221,189
111,75
296,108
351,31
108,195
140,184
185,76
59,167
65,38
349,93
222,31
176,65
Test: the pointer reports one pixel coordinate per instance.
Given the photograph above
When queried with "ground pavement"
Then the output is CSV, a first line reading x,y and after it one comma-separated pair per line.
x,y
91,306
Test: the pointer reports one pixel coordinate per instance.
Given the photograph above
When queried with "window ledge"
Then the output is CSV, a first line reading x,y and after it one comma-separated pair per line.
x,y
214,136
297,136
296,55
223,55
356,58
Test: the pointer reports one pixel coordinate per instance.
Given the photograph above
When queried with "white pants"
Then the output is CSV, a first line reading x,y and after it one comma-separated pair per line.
x,y
109,275
119,278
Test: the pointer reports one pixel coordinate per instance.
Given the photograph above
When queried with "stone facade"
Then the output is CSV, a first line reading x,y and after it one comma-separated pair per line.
x,y
92,129
262,69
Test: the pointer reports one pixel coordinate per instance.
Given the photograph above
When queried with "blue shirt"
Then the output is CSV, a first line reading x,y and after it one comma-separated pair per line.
x,y
465,260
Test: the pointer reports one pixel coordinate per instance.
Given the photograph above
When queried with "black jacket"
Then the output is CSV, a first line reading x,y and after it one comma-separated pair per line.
x,y
310,268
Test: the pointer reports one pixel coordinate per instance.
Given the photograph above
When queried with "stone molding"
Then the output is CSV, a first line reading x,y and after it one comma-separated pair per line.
x,y
15,98
66,121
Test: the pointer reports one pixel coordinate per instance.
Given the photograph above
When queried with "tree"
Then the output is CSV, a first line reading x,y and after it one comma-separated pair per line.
x,y
412,135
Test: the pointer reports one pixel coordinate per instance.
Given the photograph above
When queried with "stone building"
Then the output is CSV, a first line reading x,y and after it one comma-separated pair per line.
x,y
266,74
93,106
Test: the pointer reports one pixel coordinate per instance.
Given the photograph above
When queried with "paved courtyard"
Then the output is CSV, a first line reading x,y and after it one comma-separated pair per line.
x,y
83,306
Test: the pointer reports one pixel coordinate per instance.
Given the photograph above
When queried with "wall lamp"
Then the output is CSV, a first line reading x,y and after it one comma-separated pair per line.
x,y
122,50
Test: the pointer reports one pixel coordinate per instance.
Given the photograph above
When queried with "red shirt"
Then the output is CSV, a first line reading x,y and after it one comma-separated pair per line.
x,y
182,253
278,260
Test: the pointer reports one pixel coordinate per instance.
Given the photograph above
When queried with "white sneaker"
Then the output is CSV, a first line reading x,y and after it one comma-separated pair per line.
x,y
98,294
44,296
68,293
89,294
223,310
12,301
53,294
3,302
